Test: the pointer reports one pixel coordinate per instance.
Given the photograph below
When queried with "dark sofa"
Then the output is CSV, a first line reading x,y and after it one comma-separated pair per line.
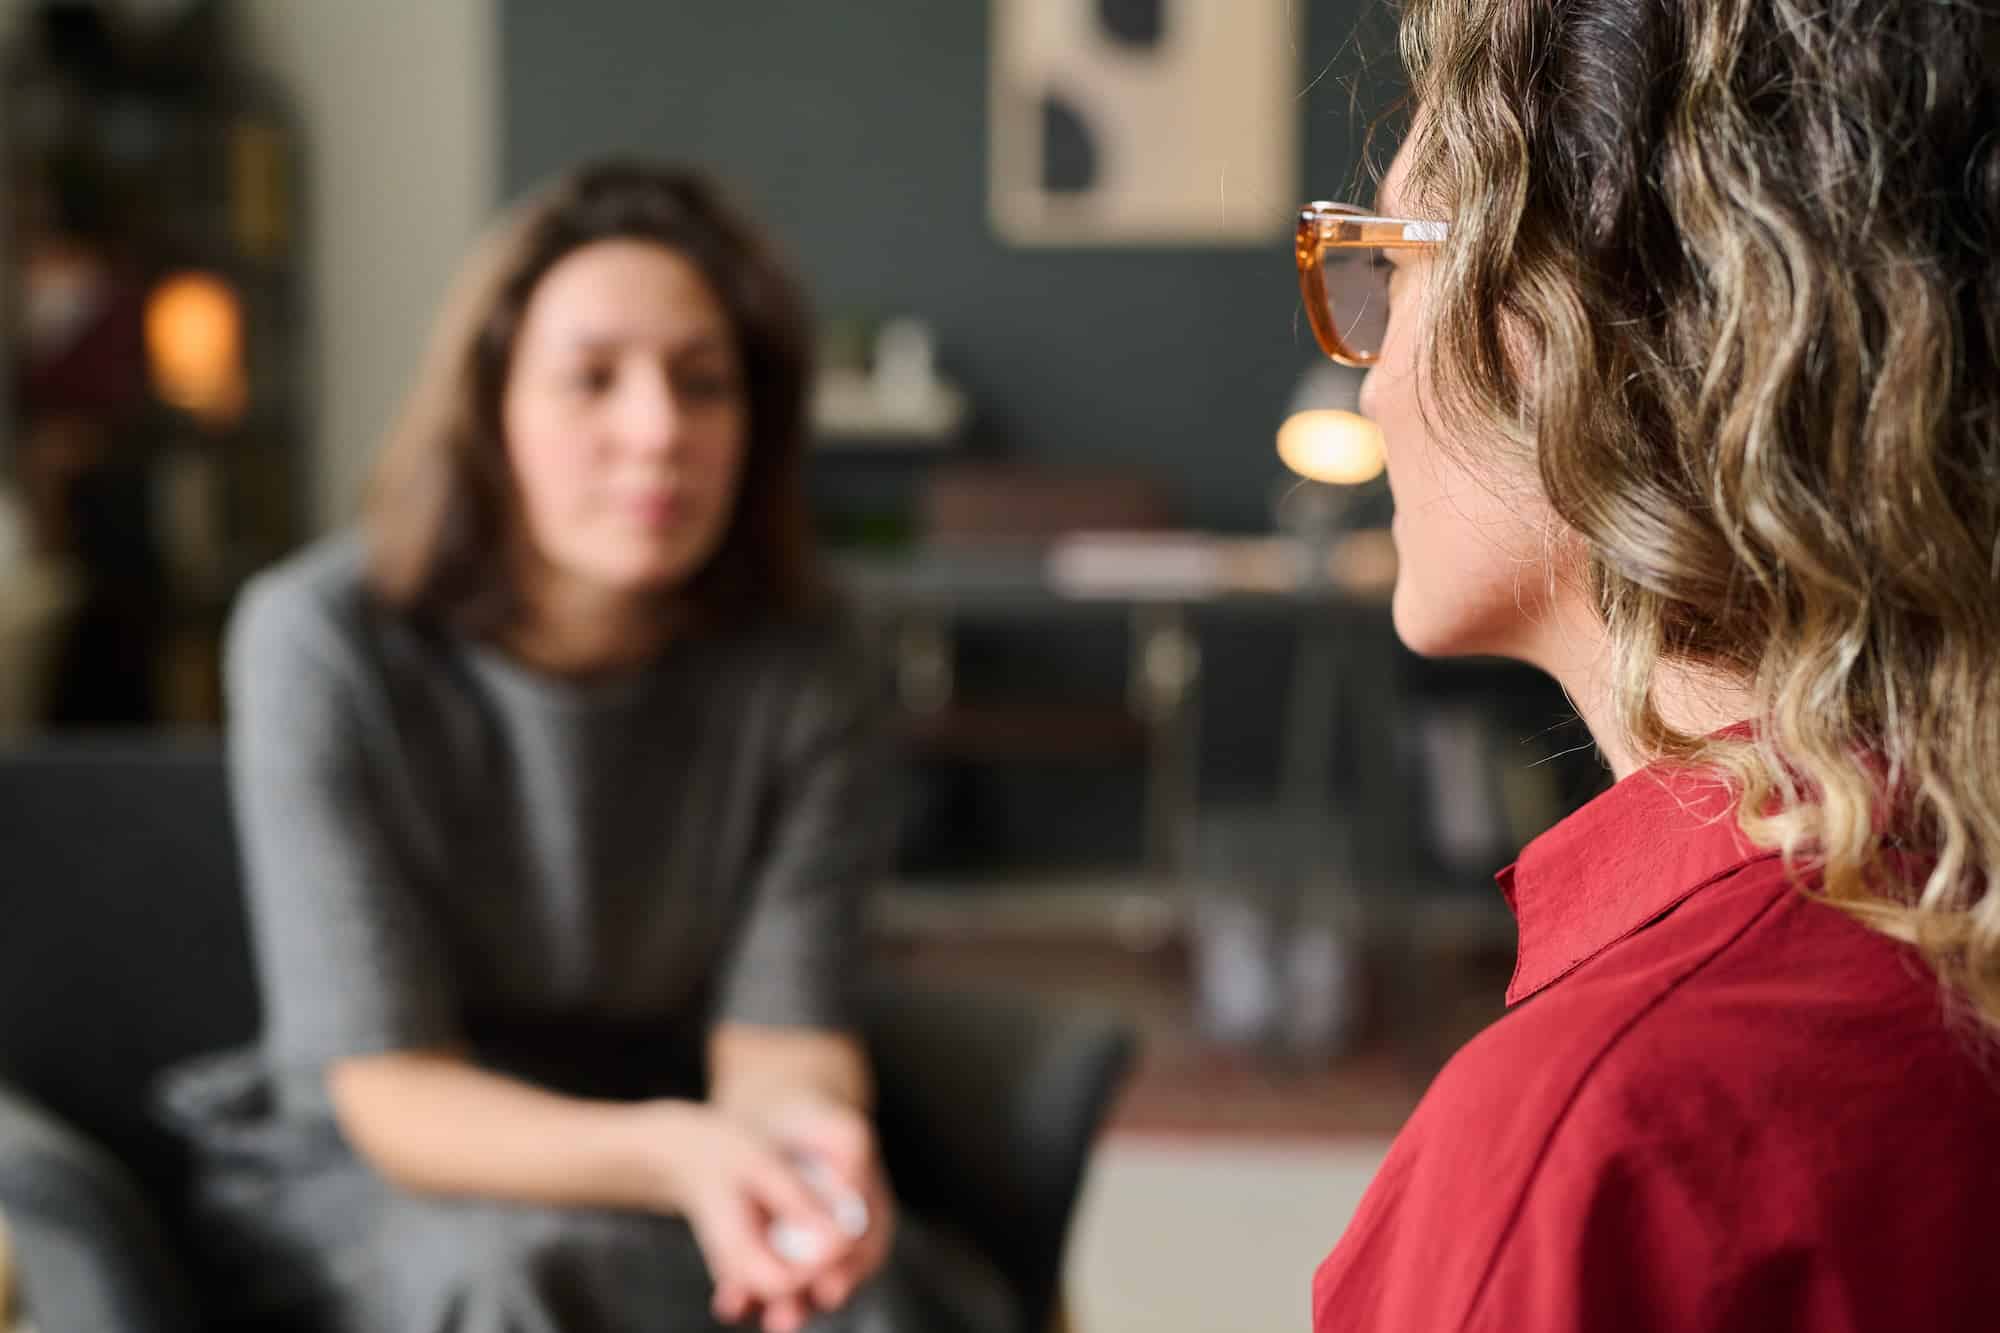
x,y
123,950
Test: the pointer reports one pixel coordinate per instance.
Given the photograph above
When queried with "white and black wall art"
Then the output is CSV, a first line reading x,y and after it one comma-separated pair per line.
x,y
1144,122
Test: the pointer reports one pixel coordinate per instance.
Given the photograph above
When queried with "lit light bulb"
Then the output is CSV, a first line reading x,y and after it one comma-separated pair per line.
x,y
194,346
1331,446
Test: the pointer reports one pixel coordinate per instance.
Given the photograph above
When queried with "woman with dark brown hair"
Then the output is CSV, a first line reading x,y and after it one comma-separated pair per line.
x,y
559,788
1683,322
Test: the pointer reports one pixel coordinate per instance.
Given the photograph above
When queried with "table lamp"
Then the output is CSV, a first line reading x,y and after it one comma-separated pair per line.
x,y
194,347
1335,452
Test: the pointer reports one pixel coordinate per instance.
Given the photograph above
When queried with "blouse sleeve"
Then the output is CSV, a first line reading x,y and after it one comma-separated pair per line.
x,y
798,956
347,956
1636,1226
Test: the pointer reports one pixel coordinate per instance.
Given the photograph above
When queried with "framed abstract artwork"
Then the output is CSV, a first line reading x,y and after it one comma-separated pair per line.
x,y
1144,122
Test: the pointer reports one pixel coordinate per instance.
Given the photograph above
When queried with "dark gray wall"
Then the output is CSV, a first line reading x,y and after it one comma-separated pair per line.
x,y
857,129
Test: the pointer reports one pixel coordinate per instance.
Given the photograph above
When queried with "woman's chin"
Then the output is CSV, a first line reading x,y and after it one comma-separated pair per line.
x,y
1412,626
656,567
1427,628
656,580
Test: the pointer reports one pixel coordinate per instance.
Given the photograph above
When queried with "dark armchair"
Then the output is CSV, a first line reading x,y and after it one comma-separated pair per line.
x,y
123,950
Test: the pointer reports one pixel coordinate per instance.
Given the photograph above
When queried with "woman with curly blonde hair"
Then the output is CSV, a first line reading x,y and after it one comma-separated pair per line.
x,y
1684,327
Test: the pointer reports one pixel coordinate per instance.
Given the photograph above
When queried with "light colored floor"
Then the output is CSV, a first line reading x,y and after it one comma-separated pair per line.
x,y
1209,1234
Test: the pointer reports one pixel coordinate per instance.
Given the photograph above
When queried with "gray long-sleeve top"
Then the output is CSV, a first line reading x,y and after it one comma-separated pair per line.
x,y
441,843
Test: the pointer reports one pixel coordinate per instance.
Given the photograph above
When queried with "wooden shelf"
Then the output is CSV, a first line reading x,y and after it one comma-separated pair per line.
x,y
1010,731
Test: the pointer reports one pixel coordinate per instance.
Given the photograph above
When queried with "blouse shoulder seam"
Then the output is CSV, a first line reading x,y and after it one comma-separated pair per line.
x,y
1583,1083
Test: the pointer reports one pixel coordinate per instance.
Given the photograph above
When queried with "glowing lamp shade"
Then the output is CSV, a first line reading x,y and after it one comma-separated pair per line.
x,y
1332,446
1325,438
194,346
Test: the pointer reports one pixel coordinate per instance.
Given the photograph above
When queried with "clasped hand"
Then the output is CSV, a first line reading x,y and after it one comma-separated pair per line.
x,y
741,1179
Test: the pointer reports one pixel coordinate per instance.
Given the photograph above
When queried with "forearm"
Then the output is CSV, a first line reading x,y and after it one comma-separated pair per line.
x,y
753,1070
433,1122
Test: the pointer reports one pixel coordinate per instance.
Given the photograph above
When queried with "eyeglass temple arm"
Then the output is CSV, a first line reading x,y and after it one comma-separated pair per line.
x,y
1340,228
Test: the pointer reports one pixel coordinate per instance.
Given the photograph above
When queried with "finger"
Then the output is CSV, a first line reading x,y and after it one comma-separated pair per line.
x,y
781,1191
871,1254
785,1316
875,1209
831,1290
731,1302
841,1136
847,1201
835,1286
741,1256
881,1202
876,1259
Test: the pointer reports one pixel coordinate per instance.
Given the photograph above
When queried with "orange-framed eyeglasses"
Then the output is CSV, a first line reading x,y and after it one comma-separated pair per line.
x,y
1345,278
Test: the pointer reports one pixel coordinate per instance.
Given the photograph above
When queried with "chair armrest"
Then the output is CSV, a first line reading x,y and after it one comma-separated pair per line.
x,y
88,1251
989,1104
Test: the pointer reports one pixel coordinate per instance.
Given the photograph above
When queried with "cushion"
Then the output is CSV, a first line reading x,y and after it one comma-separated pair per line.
x,y
87,1252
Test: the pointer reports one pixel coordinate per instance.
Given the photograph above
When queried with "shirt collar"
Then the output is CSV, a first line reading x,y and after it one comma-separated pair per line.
x,y
1620,863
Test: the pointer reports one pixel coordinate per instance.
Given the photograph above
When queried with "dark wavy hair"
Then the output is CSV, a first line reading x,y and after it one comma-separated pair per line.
x,y
1727,270
440,513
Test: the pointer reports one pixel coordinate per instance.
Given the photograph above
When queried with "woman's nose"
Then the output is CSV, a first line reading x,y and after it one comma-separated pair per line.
x,y
649,416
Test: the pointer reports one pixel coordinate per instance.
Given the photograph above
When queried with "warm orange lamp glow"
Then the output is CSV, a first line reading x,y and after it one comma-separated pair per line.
x,y
1332,446
194,347
1325,438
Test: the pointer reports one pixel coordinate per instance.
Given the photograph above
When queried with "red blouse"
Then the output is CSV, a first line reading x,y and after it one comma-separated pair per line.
x,y
1727,1107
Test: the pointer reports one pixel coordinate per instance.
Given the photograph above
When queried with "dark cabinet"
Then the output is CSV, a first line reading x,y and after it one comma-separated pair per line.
x,y
154,355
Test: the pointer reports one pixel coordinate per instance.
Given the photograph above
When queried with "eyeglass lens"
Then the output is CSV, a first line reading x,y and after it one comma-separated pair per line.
x,y
1357,295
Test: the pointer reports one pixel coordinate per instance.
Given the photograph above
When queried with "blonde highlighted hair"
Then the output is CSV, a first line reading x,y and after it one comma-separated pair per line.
x,y
1728,269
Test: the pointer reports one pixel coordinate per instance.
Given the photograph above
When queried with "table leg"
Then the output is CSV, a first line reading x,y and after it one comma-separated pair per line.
x,y
925,666
1308,751
1164,680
